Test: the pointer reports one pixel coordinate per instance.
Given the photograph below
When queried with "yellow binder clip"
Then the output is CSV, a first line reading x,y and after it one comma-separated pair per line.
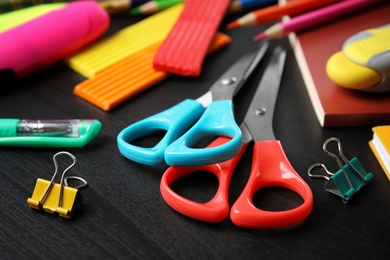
x,y
57,198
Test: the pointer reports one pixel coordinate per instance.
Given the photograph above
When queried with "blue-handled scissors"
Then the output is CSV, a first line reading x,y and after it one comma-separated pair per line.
x,y
270,168
188,123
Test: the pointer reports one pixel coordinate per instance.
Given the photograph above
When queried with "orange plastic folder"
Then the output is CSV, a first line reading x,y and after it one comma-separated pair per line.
x,y
124,43
184,50
129,77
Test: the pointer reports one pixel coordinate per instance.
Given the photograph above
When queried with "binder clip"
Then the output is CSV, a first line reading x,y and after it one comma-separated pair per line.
x,y
57,198
348,180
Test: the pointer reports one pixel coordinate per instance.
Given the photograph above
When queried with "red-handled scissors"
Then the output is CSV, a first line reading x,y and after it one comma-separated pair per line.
x,y
270,168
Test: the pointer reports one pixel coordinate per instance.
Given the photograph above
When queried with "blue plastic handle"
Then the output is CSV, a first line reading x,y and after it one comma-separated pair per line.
x,y
175,121
217,120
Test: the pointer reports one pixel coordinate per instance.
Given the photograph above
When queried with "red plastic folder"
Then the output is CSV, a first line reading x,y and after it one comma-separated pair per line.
x,y
185,48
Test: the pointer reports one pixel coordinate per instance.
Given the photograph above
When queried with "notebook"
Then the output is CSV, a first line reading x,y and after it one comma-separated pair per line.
x,y
380,146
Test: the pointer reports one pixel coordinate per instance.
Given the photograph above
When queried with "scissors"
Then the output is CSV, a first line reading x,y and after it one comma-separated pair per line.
x,y
210,115
270,168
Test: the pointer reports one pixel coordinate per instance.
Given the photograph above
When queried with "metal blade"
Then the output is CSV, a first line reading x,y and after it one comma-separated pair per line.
x,y
258,119
233,79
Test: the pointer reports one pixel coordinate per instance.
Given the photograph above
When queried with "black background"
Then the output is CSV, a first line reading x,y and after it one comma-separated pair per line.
x,y
123,214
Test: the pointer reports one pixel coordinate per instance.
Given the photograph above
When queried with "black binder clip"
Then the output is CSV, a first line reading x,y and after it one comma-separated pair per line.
x,y
57,198
348,180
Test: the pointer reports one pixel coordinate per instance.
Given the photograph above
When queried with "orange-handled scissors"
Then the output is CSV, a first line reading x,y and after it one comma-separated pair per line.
x,y
270,168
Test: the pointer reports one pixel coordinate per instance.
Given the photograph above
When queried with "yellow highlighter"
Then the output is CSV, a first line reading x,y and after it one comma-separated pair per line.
x,y
364,62
15,18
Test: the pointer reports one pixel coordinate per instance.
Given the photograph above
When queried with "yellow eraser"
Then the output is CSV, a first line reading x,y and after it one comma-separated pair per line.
x,y
340,69
364,62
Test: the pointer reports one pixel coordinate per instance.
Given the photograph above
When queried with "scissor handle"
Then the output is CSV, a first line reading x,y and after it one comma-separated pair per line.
x,y
217,120
175,121
270,168
217,208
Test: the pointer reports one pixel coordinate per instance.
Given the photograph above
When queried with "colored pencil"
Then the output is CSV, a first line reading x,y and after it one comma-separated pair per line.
x,y
120,6
314,18
153,7
276,12
112,6
245,5
12,5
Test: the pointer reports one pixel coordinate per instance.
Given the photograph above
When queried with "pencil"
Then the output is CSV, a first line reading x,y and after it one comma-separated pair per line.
x,y
275,12
311,19
152,7
111,6
120,6
13,5
244,5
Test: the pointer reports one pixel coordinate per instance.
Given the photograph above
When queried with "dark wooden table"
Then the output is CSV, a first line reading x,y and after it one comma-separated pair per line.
x,y
123,215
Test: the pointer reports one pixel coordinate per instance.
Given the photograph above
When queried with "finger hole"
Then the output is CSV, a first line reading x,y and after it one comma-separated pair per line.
x,y
276,199
198,186
148,141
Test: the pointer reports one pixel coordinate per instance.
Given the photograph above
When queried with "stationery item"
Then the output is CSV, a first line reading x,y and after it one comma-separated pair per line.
x,y
177,145
57,197
61,33
126,42
245,5
111,6
364,62
348,180
120,6
335,106
314,18
125,79
153,7
15,18
380,146
12,5
276,12
270,168
184,49
48,133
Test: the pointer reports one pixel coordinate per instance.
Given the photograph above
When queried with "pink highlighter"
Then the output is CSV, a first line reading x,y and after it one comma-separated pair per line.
x,y
49,38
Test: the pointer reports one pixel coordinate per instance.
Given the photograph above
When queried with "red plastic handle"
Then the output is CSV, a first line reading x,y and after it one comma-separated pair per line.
x,y
271,168
215,210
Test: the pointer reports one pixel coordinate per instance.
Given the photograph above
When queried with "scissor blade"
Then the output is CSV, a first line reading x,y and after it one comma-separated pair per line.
x,y
259,117
233,79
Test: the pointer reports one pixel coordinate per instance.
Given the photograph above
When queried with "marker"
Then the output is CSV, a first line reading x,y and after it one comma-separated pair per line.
x,y
38,43
314,18
276,12
48,133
